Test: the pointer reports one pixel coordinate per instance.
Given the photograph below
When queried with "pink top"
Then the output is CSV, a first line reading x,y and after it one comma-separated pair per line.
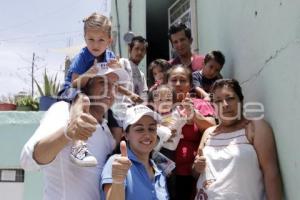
x,y
197,62
188,145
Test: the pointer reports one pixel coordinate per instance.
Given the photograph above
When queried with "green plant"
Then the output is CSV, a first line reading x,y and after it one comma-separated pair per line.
x,y
28,101
51,85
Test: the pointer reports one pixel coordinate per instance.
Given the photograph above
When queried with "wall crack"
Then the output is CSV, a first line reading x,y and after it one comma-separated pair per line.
x,y
268,60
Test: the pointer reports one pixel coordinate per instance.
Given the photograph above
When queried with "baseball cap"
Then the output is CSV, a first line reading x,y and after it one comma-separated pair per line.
x,y
104,69
135,113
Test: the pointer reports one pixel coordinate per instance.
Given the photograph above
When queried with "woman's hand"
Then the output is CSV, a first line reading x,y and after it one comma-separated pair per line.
x,y
188,107
121,165
199,162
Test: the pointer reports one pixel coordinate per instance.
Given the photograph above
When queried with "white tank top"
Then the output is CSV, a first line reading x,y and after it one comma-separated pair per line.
x,y
232,169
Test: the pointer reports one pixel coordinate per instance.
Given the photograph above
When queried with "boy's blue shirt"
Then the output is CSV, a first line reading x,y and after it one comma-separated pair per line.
x,y
199,80
83,62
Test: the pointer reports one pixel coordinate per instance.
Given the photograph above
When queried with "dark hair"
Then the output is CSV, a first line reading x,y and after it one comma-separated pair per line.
x,y
179,27
87,88
127,129
187,71
232,83
215,55
158,62
139,39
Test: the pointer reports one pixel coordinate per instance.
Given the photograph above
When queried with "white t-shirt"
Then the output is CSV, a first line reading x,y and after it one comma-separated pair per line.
x,y
64,180
138,83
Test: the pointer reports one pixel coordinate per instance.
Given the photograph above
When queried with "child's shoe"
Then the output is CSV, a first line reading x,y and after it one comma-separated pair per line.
x,y
81,156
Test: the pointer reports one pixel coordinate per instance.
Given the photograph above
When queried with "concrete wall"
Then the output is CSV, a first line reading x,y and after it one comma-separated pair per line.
x,y
261,42
138,23
15,129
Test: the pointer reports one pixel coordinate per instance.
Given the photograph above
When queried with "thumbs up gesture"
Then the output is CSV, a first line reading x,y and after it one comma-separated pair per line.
x,y
82,124
121,165
199,162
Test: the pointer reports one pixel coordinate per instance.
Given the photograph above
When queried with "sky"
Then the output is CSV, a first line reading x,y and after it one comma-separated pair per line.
x,y
46,28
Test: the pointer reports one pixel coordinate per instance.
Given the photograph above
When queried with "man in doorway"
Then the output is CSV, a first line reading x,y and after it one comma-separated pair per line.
x,y
181,39
137,51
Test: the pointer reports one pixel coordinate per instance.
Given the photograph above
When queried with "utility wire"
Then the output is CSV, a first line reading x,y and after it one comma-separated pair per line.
x,y
38,36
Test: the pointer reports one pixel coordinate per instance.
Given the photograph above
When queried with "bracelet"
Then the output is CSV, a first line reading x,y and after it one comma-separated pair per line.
x,y
65,133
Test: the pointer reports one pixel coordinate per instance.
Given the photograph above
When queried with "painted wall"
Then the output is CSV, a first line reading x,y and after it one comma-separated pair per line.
x,y
15,129
138,24
261,42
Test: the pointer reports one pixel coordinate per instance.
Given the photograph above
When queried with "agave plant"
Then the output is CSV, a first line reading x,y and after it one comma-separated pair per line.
x,y
51,86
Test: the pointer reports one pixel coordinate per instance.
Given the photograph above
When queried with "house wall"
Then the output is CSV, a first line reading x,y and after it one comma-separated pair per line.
x,y
15,129
138,24
261,42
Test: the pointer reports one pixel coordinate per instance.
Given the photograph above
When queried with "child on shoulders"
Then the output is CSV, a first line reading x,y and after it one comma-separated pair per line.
x,y
92,59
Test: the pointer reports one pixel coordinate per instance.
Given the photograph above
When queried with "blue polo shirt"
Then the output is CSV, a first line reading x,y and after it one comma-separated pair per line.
x,y
138,185
83,62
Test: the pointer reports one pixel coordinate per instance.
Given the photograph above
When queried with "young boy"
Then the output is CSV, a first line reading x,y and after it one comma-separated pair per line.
x,y
97,35
203,79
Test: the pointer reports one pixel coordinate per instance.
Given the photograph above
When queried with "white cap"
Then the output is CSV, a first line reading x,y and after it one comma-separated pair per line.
x,y
135,113
104,69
